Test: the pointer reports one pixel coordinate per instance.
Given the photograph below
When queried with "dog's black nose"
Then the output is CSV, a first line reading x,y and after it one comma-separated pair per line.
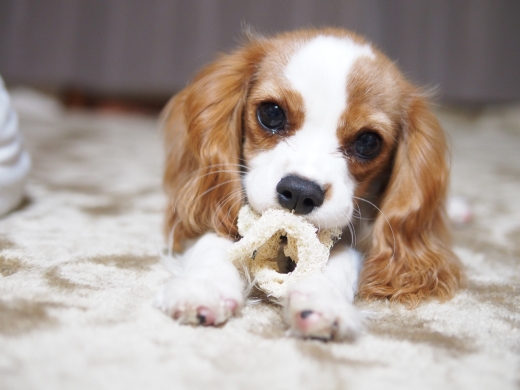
x,y
298,194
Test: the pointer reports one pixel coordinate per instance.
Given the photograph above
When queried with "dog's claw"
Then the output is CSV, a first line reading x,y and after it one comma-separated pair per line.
x,y
205,316
311,318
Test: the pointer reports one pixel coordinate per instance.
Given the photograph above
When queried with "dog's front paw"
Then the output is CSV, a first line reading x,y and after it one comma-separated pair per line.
x,y
191,300
321,313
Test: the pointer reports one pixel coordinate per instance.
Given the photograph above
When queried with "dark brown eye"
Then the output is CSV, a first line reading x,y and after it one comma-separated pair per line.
x,y
271,116
367,145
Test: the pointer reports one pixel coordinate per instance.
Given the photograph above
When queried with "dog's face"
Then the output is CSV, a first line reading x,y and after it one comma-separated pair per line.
x,y
315,121
319,124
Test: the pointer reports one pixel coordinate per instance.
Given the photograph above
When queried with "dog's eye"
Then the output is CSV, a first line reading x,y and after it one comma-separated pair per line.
x,y
367,145
271,117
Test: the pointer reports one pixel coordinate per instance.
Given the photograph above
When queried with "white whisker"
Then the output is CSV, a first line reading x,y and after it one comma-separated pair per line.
x,y
387,221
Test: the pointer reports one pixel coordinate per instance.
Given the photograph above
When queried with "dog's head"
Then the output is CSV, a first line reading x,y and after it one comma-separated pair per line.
x,y
316,122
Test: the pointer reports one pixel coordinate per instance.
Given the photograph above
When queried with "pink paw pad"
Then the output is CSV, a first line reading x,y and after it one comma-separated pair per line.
x,y
231,305
314,325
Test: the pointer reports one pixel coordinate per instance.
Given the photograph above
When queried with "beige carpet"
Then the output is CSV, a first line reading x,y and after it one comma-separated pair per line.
x,y
80,266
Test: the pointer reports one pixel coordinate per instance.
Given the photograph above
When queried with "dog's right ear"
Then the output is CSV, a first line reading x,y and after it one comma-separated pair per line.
x,y
203,139
411,256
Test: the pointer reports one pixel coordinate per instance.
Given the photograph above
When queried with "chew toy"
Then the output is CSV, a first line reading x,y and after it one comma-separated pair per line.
x,y
263,248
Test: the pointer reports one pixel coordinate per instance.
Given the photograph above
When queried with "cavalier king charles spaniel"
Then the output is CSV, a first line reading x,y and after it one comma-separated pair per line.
x,y
321,123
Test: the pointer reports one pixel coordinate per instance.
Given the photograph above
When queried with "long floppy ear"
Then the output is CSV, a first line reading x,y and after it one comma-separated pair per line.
x,y
203,137
411,256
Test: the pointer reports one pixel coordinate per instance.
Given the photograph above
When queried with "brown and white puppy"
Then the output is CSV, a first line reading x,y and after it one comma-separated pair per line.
x,y
322,123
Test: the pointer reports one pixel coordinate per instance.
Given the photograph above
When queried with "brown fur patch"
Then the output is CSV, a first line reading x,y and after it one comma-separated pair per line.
x,y
411,257
203,138
21,316
375,105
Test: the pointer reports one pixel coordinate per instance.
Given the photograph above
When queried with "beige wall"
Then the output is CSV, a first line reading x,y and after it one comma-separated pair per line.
x,y
469,48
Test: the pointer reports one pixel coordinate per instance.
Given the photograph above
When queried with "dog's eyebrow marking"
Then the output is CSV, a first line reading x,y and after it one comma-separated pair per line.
x,y
381,118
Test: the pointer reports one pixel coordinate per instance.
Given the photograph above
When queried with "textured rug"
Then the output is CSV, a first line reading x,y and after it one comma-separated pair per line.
x,y
79,264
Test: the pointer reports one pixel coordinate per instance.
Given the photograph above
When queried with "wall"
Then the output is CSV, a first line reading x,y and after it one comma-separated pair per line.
x,y
470,49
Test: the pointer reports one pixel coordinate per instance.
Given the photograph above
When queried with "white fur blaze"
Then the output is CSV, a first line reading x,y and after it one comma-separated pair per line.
x,y
318,71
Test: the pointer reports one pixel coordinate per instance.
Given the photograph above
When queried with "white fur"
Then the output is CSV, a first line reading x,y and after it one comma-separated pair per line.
x,y
319,72
207,280
329,297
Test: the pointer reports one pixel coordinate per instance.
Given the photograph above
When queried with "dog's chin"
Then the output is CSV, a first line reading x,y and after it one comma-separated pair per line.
x,y
325,219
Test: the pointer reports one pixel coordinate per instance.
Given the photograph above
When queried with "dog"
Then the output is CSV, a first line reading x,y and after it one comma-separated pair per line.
x,y
321,123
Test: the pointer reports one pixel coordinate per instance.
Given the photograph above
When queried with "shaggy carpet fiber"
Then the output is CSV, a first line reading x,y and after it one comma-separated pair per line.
x,y
80,265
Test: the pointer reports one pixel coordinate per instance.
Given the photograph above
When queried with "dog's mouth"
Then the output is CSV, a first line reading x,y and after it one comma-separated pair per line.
x,y
284,263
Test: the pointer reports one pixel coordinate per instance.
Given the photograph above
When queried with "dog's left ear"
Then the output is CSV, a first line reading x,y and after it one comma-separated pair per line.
x,y
411,256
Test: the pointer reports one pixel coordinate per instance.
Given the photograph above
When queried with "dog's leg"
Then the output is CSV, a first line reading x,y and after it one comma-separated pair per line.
x,y
320,306
208,288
